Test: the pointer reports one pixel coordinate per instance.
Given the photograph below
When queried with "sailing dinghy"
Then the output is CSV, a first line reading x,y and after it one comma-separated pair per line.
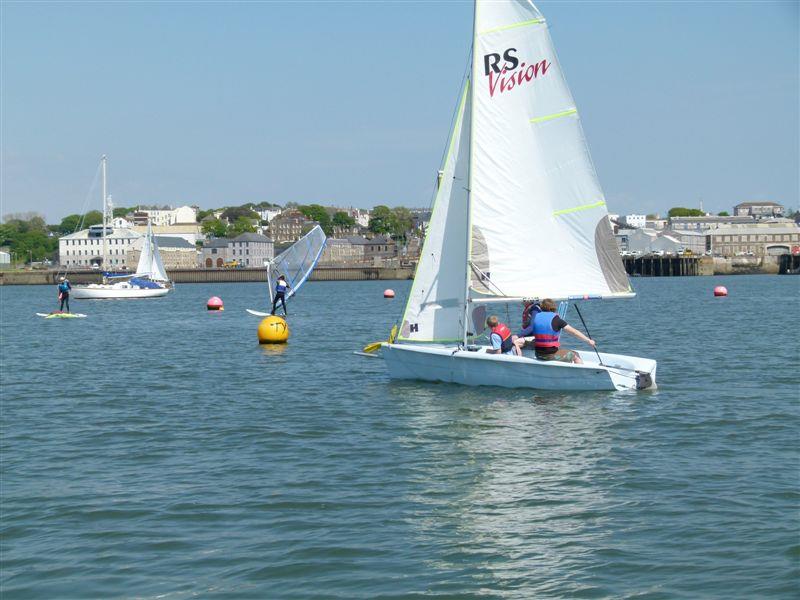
x,y
519,214
295,263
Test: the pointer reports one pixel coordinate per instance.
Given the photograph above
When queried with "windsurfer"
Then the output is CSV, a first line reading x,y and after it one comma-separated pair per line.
x,y
547,328
503,342
64,287
280,294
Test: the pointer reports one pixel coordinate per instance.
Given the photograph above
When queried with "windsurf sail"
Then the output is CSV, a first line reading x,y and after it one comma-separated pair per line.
x,y
297,261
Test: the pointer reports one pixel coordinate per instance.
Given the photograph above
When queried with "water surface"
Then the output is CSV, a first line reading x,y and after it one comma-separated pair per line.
x,y
154,450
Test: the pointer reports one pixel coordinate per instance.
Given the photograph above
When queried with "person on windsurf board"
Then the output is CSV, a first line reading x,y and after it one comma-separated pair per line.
x,y
281,286
64,287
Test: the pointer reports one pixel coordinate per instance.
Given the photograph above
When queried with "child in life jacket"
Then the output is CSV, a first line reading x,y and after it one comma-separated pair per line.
x,y
503,342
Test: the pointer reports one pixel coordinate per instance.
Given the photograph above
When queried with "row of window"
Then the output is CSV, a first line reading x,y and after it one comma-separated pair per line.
x,y
97,241
761,237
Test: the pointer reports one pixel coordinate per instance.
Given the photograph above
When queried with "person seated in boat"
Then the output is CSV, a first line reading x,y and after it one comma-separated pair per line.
x,y
64,287
525,338
503,342
547,328
280,294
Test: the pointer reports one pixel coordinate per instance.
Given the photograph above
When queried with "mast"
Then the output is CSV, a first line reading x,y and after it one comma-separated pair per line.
x,y
105,212
468,241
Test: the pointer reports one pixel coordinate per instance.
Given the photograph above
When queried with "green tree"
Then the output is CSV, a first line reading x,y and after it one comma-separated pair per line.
x,y
342,219
680,211
403,221
381,219
317,213
202,214
241,225
231,214
121,211
214,228
724,213
28,238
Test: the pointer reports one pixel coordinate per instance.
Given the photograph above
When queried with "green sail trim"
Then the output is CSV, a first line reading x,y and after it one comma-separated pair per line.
x,y
574,209
571,111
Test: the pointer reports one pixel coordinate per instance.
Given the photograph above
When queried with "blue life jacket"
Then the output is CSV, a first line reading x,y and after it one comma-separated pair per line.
x,y
546,336
63,287
280,288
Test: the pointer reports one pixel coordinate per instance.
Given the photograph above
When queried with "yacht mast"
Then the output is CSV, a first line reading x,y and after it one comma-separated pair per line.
x,y
105,202
471,84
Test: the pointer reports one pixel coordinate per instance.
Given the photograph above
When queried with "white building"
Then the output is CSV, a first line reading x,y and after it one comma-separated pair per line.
x,y
5,257
637,221
267,214
121,223
360,215
85,247
191,232
166,216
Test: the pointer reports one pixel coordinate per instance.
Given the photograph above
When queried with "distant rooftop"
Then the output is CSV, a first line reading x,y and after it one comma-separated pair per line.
x,y
764,203
252,237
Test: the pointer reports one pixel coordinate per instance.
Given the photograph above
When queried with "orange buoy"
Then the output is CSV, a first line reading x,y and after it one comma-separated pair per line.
x,y
720,290
388,293
214,303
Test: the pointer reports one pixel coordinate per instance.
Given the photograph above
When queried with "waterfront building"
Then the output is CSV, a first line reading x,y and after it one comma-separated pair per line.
x,y
707,222
5,257
655,223
343,251
176,252
379,248
214,253
759,210
757,240
695,242
84,248
248,250
646,241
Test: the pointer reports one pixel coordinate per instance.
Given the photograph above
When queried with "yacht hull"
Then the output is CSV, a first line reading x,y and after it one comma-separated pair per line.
x,y
451,365
101,292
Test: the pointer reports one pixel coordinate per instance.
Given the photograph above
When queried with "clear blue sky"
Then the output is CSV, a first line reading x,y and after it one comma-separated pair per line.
x,y
350,103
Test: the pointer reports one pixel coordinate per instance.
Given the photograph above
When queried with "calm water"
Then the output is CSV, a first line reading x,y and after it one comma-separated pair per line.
x,y
154,450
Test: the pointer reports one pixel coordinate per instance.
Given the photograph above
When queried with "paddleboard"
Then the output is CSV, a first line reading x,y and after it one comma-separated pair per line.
x,y
61,315
262,314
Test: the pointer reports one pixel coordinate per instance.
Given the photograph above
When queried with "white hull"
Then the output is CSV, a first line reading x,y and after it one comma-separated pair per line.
x,y
111,292
451,365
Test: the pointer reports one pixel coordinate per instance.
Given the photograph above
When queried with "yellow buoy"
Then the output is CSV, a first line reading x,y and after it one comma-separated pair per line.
x,y
273,330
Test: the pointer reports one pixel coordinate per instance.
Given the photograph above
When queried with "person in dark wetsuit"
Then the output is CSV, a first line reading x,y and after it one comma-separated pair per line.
x,y
63,293
281,286
547,327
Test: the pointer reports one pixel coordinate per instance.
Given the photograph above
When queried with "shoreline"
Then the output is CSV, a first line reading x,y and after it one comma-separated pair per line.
x,y
635,267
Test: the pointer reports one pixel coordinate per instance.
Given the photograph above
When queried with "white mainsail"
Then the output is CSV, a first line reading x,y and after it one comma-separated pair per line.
x,y
150,263
296,262
538,215
435,308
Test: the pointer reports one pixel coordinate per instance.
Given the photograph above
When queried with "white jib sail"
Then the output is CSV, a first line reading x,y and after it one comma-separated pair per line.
x,y
435,308
150,263
296,262
539,221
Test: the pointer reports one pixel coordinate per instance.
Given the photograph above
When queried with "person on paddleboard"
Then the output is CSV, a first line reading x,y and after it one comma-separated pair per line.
x,y
503,342
547,328
63,292
281,287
